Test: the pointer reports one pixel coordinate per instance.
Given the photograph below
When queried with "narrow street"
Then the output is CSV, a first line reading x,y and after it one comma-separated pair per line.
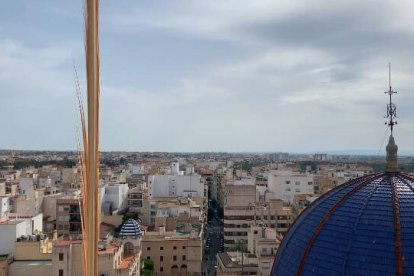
x,y
214,244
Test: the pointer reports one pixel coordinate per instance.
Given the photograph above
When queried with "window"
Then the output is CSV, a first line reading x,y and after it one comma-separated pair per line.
x,y
255,232
148,248
287,189
148,258
184,258
183,247
63,218
161,269
175,247
310,183
174,258
297,183
60,272
287,181
161,248
161,258
60,256
297,190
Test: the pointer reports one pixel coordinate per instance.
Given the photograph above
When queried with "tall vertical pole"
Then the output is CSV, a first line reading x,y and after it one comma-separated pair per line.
x,y
242,250
92,72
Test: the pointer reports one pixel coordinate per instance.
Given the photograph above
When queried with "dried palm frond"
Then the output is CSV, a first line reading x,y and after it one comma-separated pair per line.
x,y
91,140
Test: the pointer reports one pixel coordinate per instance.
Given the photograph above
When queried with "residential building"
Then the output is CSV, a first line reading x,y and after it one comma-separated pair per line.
x,y
275,214
174,253
176,185
135,198
236,263
32,256
114,198
284,184
17,228
112,259
68,217
263,242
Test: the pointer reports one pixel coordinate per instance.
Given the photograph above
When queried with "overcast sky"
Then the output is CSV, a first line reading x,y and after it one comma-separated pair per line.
x,y
210,75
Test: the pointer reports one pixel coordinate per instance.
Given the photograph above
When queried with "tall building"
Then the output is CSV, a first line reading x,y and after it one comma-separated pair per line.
x,y
68,217
275,215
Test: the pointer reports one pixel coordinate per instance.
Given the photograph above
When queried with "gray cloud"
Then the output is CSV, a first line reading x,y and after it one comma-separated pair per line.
x,y
229,75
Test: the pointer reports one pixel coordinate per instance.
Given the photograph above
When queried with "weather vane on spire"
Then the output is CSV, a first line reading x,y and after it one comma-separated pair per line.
x,y
391,108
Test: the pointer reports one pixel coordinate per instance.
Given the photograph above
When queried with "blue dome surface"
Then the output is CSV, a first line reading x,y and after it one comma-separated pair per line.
x,y
130,228
363,227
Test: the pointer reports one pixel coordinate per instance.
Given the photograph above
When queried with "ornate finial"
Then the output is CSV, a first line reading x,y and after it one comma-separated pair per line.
x,y
392,148
391,108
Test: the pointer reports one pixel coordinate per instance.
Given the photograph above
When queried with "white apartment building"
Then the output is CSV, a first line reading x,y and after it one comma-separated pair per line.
x,y
114,197
29,200
285,184
176,184
13,229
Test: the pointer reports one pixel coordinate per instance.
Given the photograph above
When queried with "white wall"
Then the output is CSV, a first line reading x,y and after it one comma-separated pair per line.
x,y
49,206
16,228
45,182
4,207
285,184
26,186
136,169
37,222
117,194
175,185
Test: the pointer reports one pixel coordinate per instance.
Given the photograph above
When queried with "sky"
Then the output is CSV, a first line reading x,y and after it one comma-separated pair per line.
x,y
193,76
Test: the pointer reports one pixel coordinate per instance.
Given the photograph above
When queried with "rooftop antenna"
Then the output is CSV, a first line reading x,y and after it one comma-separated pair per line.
x,y
391,108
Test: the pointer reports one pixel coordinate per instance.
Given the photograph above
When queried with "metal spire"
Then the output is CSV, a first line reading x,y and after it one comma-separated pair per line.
x,y
392,148
391,108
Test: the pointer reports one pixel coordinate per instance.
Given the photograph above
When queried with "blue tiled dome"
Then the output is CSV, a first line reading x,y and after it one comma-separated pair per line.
x,y
363,227
130,228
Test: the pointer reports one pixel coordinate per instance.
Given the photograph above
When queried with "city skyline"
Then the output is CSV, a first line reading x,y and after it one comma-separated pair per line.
x,y
199,77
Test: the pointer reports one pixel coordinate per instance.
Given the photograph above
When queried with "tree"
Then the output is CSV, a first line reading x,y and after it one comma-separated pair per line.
x,y
239,245
147,268
129,215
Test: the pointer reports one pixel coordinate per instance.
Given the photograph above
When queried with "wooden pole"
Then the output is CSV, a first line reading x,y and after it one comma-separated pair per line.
x,y
92,190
